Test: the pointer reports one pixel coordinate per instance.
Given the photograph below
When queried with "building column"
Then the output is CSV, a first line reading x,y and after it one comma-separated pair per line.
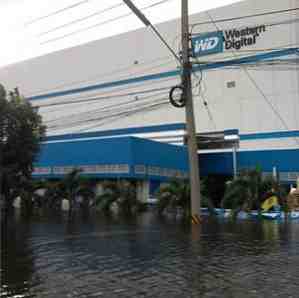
x,y
143,191
99,190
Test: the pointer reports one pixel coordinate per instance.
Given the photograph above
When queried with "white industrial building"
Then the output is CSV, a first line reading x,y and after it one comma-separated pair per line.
x,y
123,81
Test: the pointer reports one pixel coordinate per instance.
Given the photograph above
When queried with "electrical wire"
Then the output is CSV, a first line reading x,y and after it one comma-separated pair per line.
x,y
85,100
102,109
86,28
151,108
57,12
108,74
90,80
245,17
286,22
109,116
200,94
209,113
282,47
97,13
142,107
264,96
204,101
137,101
130,113
102,23
110,94
151,92
112,108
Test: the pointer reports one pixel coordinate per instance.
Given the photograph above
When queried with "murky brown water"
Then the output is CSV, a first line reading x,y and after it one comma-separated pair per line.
x,y
148,257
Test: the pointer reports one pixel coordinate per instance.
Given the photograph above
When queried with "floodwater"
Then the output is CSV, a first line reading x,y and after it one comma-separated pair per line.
x,y
149,257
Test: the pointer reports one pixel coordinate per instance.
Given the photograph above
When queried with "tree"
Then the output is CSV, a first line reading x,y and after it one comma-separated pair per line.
x,y
53,195
72,186
248,191
21,131
176,195
121,192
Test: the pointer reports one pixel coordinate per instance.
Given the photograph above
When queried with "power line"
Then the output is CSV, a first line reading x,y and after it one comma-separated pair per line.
x,y
275,111
143,107
150,91
145,63
126,114
129,113
86,28
200,94
108,74
103,109
102,23
74,117
107,107
138,13
82,19
57,12
244,17
262,50
107,84
103,97
106,110
286,22
264,96
288,61
95,116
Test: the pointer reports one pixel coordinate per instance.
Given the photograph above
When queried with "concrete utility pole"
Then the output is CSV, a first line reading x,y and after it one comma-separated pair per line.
x,y
190,122
187,97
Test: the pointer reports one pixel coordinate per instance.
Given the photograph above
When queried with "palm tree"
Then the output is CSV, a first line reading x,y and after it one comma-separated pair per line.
x,y
248,190
27,191
53,195
176,195
121,192
73,185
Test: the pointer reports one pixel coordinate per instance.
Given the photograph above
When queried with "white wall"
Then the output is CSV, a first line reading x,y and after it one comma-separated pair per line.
x,y
111,59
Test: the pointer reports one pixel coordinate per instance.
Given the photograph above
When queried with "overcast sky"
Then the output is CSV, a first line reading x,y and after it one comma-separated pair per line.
x,y
24,34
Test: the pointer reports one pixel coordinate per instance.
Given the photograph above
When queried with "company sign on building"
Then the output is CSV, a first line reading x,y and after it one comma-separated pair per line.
x,y
207,43
219,41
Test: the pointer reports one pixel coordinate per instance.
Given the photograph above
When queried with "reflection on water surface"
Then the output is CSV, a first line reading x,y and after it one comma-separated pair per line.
x,y
148,257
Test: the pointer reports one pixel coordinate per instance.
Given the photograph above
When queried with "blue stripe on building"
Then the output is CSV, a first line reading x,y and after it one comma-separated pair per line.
x,y
118,132
270,135
173,73
165,128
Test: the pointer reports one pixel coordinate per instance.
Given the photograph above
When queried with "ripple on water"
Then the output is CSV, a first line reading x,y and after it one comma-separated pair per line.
x,y
250,259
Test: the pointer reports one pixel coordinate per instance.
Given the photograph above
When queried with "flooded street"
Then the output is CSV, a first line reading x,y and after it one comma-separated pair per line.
x,y
149,257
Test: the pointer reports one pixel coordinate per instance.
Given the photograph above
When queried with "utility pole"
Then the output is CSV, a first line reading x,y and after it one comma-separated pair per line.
x,y
190,122
186,97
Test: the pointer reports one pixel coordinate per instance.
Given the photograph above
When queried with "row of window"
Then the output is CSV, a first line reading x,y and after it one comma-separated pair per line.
x,y
113,169
285,176
87,169
157,171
